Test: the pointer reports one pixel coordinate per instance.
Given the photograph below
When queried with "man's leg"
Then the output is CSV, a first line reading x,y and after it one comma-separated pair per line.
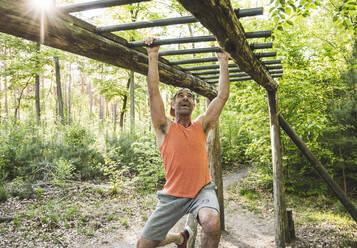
x,y
170,238
211,228
147,243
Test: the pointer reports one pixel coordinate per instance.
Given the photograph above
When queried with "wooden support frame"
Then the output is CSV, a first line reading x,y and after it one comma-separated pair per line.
x,y
214,59
219,17
203,38
280,215
334,187
215,165
171,21
210,49
96,5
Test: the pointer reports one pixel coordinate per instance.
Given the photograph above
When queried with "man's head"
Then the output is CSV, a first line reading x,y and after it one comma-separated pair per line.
x,y
183,102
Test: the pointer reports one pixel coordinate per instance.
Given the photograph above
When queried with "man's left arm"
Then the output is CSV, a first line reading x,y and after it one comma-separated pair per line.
x,y
209,118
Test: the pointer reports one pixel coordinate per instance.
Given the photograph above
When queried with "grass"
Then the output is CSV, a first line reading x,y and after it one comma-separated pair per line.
x,y
321,215
81,210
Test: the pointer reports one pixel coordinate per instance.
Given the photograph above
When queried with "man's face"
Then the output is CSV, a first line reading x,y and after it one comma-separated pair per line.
x,y
183,102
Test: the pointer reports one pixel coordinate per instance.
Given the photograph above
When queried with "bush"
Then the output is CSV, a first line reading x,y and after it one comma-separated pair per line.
x,y
135,160
30,151
4,195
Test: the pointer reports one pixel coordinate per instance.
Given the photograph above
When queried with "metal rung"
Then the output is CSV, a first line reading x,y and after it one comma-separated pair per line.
x,y
242,79
211,49
171,21
213,59
271,67
237,75
215,71
204,38
208,67
96,5
276,72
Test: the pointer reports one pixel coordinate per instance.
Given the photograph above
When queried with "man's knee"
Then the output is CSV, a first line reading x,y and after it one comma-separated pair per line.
x,y
146,243
210,221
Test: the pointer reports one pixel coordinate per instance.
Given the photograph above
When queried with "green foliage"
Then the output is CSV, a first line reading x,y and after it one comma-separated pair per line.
x,y
63,171
27,152
135,158
4,195
21,188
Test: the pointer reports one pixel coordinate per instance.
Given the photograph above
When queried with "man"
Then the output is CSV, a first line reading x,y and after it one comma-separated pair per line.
x,y
182,144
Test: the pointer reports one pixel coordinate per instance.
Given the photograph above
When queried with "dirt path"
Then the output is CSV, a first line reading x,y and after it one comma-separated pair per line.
x,y
87,215
244,229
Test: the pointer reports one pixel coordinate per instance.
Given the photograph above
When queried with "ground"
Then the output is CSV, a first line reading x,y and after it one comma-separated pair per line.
x,y
91,215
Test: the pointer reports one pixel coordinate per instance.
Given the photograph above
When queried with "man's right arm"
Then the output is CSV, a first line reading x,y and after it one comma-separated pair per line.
x,y
157,109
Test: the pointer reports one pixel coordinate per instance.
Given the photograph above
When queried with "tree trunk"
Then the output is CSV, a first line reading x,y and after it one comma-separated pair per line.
x,y
18,101
82,83
123,109
115,115
64,91
101,109
132,102
69,102
343,170
37,88
69,94
5,89
280,216
59,90
107,112
90,95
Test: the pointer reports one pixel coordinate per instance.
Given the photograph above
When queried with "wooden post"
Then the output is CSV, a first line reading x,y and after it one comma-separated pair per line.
x,y
336,189
214,158
278,185
291,228
192,223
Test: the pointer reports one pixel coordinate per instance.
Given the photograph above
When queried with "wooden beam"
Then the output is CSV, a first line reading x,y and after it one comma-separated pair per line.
x,y
215,165
218,17
210,49
76,7
203,38
207,67
334,187
213,59
70,34
171,21
280,215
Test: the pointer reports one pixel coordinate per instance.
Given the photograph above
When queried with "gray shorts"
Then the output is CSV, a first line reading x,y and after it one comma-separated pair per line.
x,y
171,208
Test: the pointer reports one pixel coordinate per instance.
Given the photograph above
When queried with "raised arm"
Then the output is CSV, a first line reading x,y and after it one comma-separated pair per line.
x,y
157,109
209,118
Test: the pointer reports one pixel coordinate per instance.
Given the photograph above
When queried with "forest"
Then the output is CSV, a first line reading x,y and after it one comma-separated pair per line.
x,y
78,154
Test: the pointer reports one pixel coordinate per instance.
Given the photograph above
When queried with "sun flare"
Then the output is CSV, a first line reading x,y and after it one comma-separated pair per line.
x,y
42,5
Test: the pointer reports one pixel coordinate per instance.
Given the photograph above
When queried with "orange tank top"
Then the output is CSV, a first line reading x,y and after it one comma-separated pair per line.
x,y
185,158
